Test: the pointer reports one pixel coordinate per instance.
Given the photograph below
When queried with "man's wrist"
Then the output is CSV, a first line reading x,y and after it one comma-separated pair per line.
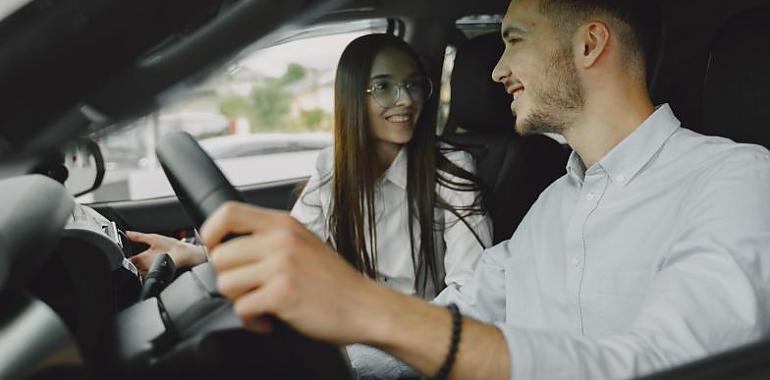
x,y
378,317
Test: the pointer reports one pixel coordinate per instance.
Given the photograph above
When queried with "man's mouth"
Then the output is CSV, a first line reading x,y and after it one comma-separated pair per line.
x,y
515,91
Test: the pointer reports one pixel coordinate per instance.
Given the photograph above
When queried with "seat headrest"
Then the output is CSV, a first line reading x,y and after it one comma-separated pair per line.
x,y
478,103
736,89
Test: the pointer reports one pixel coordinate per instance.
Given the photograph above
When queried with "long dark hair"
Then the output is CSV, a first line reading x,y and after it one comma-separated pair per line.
x,y
354,176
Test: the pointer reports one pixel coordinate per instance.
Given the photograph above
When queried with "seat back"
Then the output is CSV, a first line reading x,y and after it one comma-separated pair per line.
x,y
716,68
727,93
513,169
736,87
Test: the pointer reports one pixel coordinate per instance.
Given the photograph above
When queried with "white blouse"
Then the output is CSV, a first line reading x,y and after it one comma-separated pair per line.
x,y
460,249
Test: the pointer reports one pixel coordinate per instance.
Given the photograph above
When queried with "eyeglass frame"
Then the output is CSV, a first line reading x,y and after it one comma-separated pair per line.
x,y
402,85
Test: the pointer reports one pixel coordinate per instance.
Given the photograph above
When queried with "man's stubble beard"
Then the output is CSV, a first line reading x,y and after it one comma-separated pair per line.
x,y
559,100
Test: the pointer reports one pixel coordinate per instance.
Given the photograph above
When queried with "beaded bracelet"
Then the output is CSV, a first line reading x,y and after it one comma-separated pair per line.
x,y
446,367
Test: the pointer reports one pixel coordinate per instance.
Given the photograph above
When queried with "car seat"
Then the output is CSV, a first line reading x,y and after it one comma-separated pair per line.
x,y
729,96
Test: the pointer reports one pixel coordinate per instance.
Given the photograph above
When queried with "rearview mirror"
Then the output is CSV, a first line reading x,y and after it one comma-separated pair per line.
x,y
85,166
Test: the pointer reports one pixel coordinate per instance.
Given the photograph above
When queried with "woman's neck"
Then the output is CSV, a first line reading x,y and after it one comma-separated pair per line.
x,y
386,154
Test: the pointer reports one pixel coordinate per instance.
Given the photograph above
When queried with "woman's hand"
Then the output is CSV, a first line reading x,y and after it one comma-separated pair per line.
x,y
183,254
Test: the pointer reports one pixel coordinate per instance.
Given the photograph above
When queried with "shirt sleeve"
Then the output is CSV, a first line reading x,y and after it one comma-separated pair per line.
x,y
709,293
483,296
309,208
463,249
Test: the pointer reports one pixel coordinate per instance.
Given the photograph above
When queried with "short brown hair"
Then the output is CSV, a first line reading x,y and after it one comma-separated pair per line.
x,y
636,22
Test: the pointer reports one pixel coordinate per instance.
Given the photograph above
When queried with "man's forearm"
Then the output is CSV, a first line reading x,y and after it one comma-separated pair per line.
x,y
419,334
278,267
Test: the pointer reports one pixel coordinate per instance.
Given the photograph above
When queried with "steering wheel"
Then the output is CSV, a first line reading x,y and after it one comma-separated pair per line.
x,y
202,188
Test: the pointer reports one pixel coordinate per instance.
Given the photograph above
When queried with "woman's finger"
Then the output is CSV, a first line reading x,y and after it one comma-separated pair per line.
x,y
142,262
139,237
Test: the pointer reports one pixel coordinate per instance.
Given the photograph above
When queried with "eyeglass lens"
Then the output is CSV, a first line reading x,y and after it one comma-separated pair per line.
x,y
386,92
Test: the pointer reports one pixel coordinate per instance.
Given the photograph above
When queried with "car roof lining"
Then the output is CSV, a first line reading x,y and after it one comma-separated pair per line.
x,y
88,80
122,98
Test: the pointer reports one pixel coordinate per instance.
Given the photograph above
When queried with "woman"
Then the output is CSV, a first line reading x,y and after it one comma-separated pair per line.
x,y
386,180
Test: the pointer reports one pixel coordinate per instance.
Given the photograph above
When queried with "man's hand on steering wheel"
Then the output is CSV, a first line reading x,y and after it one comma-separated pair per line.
x,y
278,267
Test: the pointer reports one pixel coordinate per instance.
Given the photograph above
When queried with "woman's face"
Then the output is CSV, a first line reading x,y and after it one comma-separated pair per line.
x,y
394,99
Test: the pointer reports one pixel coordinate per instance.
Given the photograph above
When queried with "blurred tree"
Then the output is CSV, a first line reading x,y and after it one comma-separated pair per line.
x,y
314,119
294,72
269,103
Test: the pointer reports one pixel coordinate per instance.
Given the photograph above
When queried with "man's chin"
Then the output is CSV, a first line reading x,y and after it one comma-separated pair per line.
x,y
522,122
519,129
536,126
522,127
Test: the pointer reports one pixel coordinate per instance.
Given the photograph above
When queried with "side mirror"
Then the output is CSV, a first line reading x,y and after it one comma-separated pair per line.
x,y
85,166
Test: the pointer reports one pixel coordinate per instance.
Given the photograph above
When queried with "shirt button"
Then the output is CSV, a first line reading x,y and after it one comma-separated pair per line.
x,y
590,196
621,178
576,262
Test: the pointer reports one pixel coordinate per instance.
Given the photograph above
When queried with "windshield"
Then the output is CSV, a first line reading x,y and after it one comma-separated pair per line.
x,y
7,7
263,117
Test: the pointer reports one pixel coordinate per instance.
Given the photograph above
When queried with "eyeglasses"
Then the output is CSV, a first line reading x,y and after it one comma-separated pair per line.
x,y
386,92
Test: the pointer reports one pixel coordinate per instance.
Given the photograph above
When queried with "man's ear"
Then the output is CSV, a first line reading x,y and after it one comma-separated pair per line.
x,y
593,39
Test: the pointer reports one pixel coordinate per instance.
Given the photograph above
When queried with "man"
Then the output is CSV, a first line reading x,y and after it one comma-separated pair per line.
x,y
648,253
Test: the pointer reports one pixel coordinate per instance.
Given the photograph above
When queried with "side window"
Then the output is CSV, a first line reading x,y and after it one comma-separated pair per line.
x,y
263,118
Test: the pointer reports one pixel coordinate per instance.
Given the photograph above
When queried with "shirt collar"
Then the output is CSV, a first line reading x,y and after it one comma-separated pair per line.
x,y
626,160
396,173
575,168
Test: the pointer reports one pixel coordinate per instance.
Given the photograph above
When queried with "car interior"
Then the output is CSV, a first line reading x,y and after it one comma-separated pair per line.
x,y
74,305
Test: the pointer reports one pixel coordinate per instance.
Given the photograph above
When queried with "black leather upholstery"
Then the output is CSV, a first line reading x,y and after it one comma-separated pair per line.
x,y
734,102
515,169
736,88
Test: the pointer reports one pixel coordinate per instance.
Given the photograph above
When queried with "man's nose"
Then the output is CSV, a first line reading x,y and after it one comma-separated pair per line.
x,y
501,71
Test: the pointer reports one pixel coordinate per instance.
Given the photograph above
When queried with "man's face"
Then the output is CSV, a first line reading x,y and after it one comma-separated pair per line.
x,y
538,69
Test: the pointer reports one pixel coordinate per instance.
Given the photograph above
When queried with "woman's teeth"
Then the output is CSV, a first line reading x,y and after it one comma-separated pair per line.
x,y
399,118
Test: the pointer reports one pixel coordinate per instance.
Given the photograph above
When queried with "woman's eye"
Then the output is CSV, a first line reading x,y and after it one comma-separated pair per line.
x,y
381,86
413,84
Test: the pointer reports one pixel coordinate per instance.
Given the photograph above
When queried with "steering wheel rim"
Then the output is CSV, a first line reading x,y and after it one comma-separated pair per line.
x,y
197,181
201,188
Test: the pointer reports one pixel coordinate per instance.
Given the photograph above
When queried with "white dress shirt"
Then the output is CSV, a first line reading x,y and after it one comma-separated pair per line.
x,y
656,255
456,247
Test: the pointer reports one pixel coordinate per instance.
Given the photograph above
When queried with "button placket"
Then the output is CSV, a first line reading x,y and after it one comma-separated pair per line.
x,y
574,253
592,191
576,262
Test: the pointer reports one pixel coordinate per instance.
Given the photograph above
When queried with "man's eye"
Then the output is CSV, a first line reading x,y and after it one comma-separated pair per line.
x,y
513,40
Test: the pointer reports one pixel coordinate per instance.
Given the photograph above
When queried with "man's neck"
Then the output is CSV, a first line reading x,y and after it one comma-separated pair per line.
x,y
605,122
